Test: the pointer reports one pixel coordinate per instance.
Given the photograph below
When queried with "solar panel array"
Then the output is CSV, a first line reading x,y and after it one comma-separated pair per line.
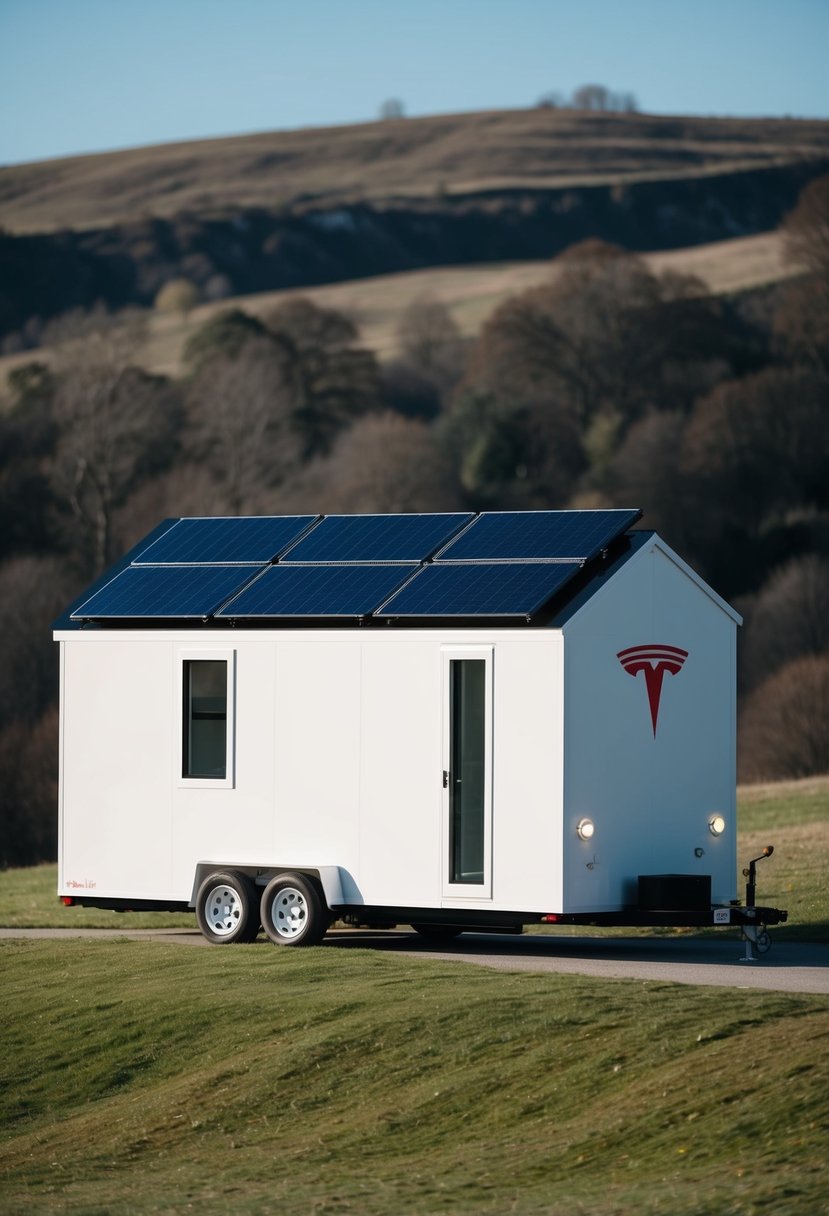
x,y
305,567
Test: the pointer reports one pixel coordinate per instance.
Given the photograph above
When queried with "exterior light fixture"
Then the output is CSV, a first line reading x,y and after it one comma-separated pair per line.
x,y
585,829
716,825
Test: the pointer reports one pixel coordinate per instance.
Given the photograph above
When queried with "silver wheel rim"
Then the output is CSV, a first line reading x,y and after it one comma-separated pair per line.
x,y
223,910
289,913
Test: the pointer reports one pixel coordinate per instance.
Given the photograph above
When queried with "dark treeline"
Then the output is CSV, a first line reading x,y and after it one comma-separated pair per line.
x,y
609,386
43,275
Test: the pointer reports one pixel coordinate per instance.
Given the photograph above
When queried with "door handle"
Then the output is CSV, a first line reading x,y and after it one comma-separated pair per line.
x,y
445,779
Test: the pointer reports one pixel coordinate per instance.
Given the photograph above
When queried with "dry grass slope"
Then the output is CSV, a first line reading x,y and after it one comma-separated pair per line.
x,y
471,293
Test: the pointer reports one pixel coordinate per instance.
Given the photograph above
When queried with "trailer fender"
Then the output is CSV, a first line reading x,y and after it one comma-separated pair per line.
x,y
338,886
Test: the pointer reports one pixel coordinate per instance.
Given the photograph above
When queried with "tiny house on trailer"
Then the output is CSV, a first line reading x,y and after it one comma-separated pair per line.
x,y
453,721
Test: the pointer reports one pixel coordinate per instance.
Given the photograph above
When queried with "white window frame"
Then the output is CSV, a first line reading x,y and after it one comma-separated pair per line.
x,y
228,782
465,891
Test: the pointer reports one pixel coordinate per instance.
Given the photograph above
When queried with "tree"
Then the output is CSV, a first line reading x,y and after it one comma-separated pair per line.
x,y
789,618
383,462
29,791
599,98
644,472
513,453
430,339
755,455
331,380
177,296
801,324
605,336
801,321
224,334
759,446
27,441
784,727
116,426
806,230
34,590
242,424
392,108
418,383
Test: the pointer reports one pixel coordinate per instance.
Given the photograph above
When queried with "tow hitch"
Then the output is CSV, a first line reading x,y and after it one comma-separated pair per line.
x,y
756,936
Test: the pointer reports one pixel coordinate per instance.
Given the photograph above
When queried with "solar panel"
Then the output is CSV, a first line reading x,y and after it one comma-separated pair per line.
x,y
480,589
233,539
377,538
538,536
327,590
164,591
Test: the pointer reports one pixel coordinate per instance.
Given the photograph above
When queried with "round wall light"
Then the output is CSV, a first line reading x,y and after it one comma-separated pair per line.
x,y
585,829
716,825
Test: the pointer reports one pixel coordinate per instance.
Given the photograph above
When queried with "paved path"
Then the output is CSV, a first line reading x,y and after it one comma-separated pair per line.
x,y
788,967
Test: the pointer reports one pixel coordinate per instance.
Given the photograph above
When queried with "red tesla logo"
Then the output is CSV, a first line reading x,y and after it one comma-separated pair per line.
x,y
654,661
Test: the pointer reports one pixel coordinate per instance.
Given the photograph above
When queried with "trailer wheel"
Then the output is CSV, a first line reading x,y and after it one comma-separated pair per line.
x,y
293,911
227,909
438,933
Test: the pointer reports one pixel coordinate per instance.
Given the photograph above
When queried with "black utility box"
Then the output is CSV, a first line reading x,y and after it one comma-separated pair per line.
x,y
675,892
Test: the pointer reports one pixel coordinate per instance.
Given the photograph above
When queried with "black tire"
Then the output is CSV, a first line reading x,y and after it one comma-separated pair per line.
x,y
438,933
227,908
293,911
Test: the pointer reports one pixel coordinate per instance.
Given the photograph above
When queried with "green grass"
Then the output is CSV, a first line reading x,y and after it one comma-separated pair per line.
x,y
144,1078
28,900
794,817
141,1077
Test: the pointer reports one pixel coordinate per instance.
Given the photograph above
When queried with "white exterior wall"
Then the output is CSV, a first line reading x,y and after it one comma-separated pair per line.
x,y
338,761
650,797
340,745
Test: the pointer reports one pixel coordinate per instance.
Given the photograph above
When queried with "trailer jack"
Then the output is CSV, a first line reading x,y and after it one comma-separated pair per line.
x,y
756,937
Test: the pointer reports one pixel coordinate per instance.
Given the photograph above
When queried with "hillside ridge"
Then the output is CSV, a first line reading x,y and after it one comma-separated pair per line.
x,y
297,209
406,158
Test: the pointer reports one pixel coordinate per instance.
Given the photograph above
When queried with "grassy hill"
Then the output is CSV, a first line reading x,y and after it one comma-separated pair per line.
x,y
448,155
143,1078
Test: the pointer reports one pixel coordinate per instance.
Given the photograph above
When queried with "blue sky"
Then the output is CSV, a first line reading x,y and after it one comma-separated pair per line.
x,y
90,75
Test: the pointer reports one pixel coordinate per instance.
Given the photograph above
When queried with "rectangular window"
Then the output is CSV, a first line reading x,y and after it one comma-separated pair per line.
x,y
467,790
205,736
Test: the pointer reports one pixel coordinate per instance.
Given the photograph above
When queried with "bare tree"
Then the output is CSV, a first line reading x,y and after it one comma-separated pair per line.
x,y
644,471
806,230
33,591
784,727
116,426
430,339
392,108
382,463
789,618
29,791
242,424
599,98
801,323
757,447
